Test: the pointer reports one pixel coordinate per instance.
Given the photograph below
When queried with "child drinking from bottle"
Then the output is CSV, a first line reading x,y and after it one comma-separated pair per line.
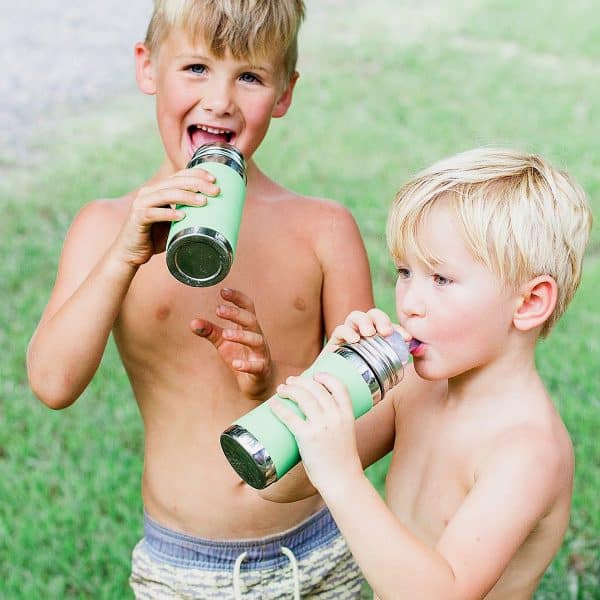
x,y
488,247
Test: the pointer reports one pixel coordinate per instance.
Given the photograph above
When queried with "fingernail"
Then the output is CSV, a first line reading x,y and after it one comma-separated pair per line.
x,y
200,331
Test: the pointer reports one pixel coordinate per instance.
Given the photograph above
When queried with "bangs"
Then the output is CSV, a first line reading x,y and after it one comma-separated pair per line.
x,y
404,228
247,29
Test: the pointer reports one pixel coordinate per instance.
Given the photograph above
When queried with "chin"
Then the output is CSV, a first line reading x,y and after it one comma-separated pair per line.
x,y
429,372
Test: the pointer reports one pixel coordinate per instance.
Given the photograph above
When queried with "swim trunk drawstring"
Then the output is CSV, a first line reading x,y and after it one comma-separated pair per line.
x,y
237,580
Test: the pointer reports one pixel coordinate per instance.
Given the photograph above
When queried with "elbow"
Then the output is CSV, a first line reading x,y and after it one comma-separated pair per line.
x,y
54,400
52,394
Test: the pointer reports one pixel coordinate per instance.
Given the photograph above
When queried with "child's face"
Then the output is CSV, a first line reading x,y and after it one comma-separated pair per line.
x,y
458,310
202,99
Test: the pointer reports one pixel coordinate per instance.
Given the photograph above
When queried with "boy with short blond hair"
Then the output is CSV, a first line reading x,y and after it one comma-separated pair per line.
x,y
220,71
488,246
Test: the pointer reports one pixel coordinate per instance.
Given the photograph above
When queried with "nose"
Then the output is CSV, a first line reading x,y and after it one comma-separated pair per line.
x,y
409,299
218,99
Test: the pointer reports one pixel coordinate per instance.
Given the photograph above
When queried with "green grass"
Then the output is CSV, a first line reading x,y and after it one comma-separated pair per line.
x,y
385,89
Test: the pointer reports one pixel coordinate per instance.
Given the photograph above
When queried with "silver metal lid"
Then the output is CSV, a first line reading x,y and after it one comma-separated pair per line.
x,y
199,256
220,152
364,370
248,457
386,358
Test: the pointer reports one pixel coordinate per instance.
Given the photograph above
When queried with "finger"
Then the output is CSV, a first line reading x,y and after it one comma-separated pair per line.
x,y
402,332
147,216
166,197
241,317
338,392
238,298
198,172
247,338
381,321
206,329
252,367
344,333
187,181
310,396
361,322
287,416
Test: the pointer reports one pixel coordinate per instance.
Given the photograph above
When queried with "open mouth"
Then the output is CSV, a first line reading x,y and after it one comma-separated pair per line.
x,y
203,134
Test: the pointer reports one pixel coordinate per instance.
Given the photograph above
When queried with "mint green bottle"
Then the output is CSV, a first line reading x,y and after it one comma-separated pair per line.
x,y
261,448
201,247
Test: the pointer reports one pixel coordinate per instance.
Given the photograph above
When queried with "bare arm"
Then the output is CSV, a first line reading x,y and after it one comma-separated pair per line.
x,y
374,431
346,274
105,246
513,491
68,344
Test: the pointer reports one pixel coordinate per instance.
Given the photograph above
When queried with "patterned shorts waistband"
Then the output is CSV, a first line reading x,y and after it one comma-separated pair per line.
x,y
180,549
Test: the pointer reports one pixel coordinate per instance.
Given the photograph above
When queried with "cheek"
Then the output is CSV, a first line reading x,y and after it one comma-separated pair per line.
x,y
258,112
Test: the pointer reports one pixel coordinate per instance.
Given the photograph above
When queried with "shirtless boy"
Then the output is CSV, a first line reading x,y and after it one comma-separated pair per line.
x,y
488,246
198,358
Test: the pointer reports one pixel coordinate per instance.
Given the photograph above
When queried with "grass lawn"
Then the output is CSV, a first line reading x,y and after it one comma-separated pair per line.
x,y
386,88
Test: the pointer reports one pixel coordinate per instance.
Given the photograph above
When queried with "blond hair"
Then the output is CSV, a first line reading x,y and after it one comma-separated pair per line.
x,y
520,217
246,28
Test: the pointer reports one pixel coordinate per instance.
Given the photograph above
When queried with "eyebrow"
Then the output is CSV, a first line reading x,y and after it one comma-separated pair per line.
x,y
200,57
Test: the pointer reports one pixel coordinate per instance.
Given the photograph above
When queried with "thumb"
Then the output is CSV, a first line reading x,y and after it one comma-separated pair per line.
x,y
205,329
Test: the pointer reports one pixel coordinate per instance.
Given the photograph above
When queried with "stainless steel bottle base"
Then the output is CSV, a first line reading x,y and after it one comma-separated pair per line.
x,y
248,457
199,256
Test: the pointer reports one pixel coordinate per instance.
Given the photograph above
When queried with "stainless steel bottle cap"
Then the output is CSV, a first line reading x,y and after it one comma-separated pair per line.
x,y
220,152
386,358
248,457
364,370
199,256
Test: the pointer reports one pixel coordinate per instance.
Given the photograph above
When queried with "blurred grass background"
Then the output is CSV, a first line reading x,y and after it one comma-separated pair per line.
x,y
386,88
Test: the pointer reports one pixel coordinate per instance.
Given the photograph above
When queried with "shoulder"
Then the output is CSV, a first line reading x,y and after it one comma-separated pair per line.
x,y
104,212
322,210
541,457
95,227
102,216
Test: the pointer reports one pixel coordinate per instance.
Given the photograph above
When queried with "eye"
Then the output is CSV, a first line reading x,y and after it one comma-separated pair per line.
x,y
403,272
441,281
249,78
197,69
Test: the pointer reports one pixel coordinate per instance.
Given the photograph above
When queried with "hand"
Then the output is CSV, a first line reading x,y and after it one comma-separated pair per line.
x,y
362,324
326,437
146,228
242,346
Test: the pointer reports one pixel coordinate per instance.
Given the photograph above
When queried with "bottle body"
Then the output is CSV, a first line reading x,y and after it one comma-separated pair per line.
x,y
261,448
201,246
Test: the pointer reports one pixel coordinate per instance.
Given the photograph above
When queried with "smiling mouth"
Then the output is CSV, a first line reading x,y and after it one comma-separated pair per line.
x,y
203,134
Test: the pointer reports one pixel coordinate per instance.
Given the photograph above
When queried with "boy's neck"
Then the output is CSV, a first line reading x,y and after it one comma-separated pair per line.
x,y
508,372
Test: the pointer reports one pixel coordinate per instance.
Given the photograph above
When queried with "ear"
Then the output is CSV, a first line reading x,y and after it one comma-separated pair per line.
x,y
144,69
282,105
537,301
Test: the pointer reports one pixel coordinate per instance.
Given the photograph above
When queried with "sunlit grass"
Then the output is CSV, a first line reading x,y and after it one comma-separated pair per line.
x,y
383,92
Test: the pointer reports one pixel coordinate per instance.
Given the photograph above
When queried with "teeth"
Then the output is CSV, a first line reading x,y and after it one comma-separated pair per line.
x,y
213,130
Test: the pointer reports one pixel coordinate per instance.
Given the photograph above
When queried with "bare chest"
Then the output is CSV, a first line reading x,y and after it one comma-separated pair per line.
x,y
428,476
158,309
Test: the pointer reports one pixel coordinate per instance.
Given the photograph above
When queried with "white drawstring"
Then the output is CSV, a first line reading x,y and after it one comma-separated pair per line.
x,y
295,574
237,591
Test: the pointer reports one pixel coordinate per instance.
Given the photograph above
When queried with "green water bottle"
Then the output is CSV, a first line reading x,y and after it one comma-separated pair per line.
x,y
262,449
200,247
